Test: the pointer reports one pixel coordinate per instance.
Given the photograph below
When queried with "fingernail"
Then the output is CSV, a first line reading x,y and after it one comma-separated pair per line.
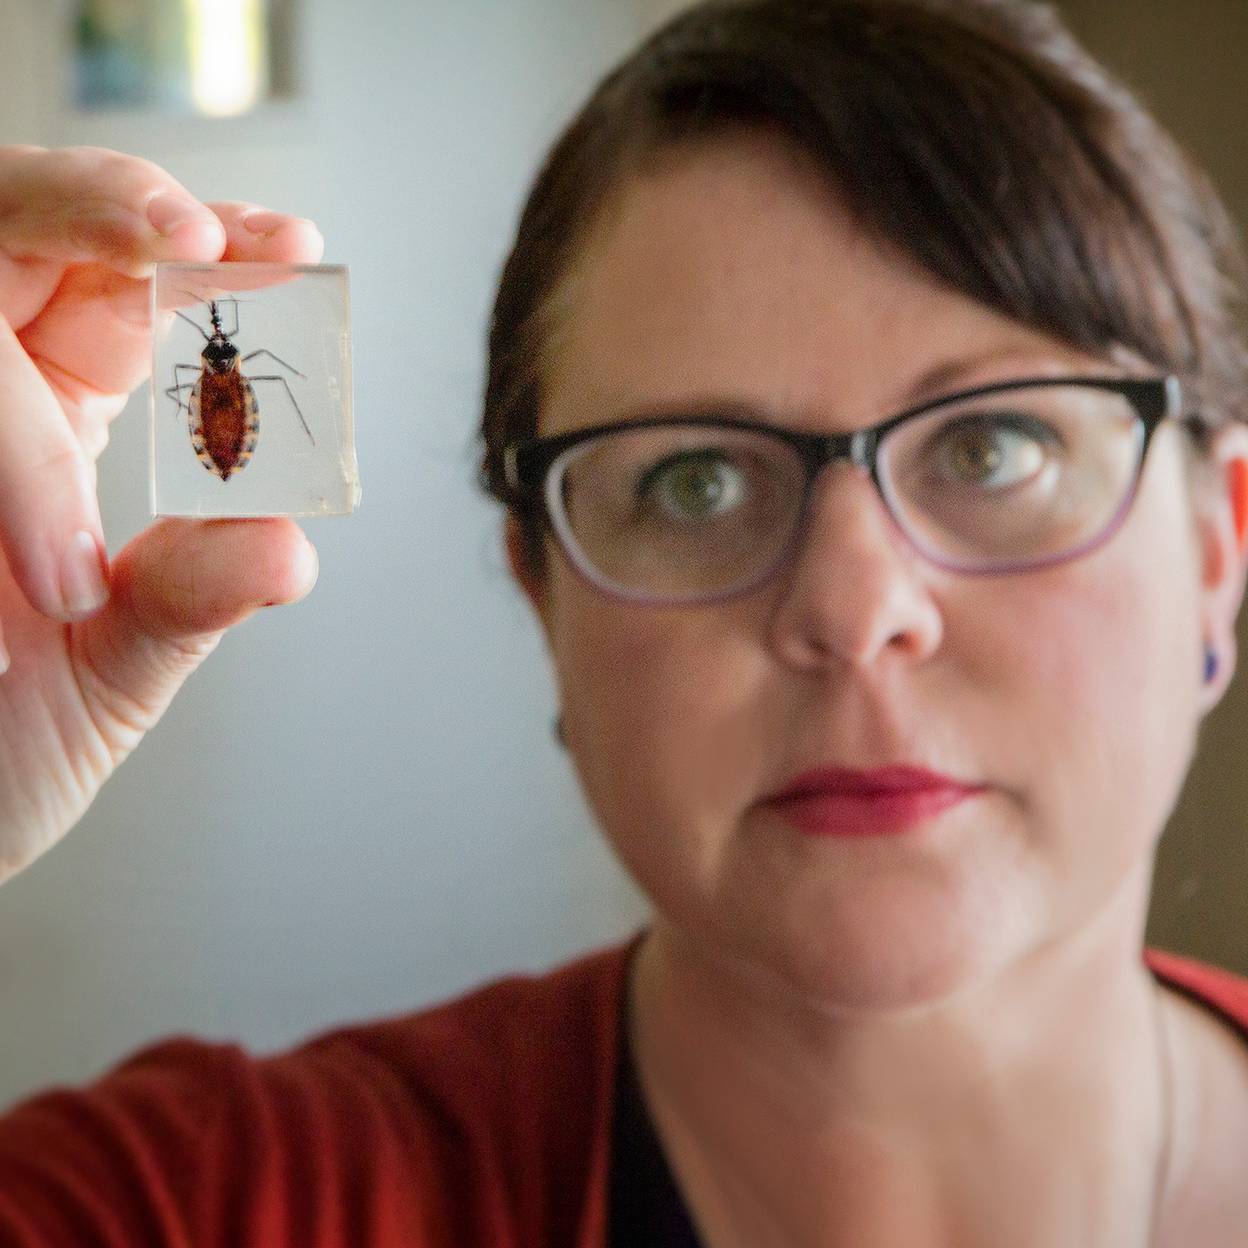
x,y
169,213
5,660
83,587
262,221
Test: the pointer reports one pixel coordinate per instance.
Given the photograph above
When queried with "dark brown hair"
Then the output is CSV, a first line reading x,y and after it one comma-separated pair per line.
x,y
975,135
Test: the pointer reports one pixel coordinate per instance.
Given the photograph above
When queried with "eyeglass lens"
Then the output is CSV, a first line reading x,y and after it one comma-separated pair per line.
x,y
687,512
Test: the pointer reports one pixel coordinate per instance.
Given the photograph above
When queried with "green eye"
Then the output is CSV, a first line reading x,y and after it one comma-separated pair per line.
x,y
694,485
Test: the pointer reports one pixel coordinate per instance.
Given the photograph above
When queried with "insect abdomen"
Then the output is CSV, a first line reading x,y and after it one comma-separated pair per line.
x,y
224,422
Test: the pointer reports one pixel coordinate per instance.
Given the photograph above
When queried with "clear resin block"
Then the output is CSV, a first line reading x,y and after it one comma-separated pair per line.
x,y
251,391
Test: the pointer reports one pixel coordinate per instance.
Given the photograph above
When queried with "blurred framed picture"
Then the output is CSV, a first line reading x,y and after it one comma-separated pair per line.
x,y
206,58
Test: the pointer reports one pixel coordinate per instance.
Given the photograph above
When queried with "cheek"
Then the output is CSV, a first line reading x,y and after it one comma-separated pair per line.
x,y
1092,696
661,715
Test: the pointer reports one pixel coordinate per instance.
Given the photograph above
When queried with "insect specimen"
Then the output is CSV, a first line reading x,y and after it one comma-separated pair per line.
x,y
222,413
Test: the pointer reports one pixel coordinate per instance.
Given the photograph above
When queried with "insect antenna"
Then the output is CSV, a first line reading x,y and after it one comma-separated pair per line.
x,y
206,337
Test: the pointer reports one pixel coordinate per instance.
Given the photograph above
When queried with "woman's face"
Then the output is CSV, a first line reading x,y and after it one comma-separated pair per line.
x,y
1072,694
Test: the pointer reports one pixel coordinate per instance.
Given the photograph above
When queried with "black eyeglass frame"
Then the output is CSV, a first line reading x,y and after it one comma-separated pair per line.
x,y
527,463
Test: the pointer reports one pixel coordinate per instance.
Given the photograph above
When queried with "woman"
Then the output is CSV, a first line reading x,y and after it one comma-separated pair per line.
x,y
866,398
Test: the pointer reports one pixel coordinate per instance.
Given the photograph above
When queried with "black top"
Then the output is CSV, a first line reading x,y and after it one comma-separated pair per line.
x,y
645,1208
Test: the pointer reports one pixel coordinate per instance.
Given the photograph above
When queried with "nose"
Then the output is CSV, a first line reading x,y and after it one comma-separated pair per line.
x,y
852,592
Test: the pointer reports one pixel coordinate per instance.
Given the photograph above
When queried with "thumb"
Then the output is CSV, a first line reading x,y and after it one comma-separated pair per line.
x,y
174,590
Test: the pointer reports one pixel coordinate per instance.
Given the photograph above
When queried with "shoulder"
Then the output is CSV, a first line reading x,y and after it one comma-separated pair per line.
x,y
541,1035
527,1027
1221,991
1207,1010
505,1093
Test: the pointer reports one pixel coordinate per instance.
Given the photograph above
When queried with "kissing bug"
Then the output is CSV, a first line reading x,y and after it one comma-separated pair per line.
x,y
222,413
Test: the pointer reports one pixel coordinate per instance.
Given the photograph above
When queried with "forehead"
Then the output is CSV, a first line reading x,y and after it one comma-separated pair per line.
x,y
731,271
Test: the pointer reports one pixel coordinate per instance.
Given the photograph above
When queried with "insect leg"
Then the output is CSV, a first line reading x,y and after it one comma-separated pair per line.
x,y
174,390
266,351
295,405
234,332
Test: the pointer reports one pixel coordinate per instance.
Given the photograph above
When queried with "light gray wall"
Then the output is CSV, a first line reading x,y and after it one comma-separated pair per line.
x,y
356,807
655,12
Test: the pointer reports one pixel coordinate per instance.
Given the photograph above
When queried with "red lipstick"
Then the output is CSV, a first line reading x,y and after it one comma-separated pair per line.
x,y
835,801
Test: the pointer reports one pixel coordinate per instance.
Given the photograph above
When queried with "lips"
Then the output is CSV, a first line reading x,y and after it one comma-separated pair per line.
x,y
834,801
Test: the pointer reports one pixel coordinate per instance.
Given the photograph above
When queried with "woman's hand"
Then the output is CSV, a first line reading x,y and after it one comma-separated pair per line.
x,y
94,658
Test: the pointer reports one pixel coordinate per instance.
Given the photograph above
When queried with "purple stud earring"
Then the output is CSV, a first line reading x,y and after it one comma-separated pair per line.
x,y
1211,663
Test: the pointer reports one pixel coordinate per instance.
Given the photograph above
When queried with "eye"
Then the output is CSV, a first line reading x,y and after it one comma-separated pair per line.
x,y
993,451
694,485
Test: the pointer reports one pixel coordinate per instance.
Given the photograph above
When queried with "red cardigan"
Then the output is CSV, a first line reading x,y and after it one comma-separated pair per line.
x,y
483,1121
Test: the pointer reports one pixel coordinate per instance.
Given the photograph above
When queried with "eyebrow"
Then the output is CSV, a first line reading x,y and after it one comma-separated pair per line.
x,y
732,411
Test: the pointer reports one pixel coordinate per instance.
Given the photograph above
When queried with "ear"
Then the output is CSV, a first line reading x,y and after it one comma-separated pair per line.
x,y
535,589
1222,526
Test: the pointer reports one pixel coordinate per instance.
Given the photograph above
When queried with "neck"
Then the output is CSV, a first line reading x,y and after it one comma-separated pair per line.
x,y
1042,1089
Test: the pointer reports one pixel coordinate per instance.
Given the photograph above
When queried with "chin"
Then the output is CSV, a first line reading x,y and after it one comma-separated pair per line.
x,y
891,948
879,981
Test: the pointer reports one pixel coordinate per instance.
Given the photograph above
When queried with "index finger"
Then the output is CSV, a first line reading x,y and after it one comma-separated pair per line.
x,y
87,204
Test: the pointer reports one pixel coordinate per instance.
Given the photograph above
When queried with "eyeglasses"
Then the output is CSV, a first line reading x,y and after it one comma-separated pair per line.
x,y
700,507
